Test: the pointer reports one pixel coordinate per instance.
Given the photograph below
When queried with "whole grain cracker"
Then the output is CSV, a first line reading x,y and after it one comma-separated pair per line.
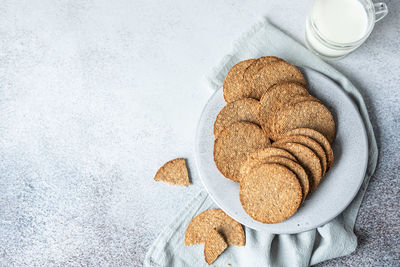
x,y
296,169
307,159
273,73
270,193
245,109
174,172
270,121
306,114
311,144
255,67
202,224
259,156
214,246
320,138
281,93
234,144
233,87
276,96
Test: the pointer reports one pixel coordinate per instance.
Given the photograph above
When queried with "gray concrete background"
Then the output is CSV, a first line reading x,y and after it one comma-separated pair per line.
x,y
96,95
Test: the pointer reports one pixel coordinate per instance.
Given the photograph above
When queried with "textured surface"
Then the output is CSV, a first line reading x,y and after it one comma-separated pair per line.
x,y
320,138
273,73
86,86
202,224
234,88
214,246
307,159
305,114
296,169
275,97
260,155
270,193
252,70
311,144
234,144
173,172
245,109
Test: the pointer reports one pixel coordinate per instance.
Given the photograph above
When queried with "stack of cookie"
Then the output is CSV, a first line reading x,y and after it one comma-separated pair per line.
x,y
273,137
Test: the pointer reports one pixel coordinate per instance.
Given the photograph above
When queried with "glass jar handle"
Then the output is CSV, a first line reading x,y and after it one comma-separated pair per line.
x,y
381,11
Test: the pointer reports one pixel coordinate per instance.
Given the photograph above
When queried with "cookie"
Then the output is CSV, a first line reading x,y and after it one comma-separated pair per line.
x,y
233,87
296,169
270,123
234,144
278,95
307,159
245,109
306,114
320,138
273,73
270,193
251,71
202,224
173,172
259,156
311,144
214,246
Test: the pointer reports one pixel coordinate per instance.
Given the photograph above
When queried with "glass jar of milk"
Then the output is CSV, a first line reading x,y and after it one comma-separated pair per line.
x,y
334,28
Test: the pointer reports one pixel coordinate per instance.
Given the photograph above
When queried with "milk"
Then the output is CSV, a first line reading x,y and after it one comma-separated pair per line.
x,y
337,21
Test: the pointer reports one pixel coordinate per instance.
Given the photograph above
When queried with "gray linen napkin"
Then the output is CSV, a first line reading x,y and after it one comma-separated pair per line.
x,y
331,240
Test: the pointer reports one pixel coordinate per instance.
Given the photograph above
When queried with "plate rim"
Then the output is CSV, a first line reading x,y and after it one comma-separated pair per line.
x,y
365,160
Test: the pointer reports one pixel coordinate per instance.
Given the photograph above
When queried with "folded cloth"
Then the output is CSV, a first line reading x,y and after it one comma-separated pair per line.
x,y
331,240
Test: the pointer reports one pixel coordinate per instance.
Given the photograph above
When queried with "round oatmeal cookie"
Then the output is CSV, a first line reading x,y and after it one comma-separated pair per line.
x,y
273,73
245,109
251,71
320,138
269,121
307,159
233,87
296,169
271,193
281,93
306,114
259,156
311,144
277,96
234,144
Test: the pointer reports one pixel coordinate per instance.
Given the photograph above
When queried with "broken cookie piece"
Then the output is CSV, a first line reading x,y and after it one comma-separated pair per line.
x,y
214,246
174,172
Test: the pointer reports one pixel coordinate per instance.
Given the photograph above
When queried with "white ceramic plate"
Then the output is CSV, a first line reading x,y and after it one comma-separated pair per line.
x,y
338,187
